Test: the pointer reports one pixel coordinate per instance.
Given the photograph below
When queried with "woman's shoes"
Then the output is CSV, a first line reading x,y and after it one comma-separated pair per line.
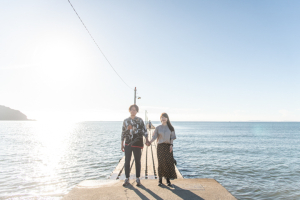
x,y
169,182
160,182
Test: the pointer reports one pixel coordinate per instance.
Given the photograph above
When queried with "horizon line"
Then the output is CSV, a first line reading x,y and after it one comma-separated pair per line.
x,y
151,121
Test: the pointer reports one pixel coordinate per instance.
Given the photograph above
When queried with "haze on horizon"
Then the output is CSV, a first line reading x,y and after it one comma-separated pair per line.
x,y
196,60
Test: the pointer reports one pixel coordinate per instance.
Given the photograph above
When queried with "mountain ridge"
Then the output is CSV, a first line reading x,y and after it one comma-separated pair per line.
x,y
7,113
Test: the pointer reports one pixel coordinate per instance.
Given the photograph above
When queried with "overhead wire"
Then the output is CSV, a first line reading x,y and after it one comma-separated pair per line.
x,y
98,46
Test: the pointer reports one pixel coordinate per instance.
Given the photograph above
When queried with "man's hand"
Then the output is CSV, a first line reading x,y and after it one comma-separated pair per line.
x,y
147,142
122,146
171,149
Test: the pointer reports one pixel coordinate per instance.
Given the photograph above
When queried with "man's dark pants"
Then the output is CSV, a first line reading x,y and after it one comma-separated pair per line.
x,y
137,159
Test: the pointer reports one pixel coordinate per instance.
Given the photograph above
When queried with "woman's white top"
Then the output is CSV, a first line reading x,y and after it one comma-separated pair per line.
x,y
164,134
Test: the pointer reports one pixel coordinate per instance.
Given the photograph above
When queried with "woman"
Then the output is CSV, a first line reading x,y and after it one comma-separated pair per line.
x,y
165,134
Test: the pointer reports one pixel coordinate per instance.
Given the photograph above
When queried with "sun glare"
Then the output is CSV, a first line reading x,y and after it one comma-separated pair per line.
x,y
57,58
60,64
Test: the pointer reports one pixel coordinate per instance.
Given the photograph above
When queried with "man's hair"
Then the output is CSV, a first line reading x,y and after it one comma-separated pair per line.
x,y
136,107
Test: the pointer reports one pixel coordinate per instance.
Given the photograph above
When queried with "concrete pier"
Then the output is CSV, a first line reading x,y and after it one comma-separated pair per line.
x,y
181,188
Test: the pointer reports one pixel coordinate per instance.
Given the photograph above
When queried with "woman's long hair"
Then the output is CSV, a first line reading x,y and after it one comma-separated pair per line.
x,y
168,122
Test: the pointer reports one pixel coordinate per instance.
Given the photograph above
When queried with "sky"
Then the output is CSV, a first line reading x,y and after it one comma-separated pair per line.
x,y
196,60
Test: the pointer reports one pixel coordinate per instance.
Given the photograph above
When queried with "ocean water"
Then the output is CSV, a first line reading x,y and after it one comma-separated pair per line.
x,y
45,160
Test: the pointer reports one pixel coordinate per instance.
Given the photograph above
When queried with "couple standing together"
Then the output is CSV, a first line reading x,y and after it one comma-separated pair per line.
x,y
133,131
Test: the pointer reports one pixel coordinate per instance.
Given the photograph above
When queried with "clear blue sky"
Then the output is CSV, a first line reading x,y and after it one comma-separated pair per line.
x,y
195,60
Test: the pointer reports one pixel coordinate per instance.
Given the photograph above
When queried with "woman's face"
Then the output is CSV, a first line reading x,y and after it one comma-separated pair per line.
x,y
163,119
133,111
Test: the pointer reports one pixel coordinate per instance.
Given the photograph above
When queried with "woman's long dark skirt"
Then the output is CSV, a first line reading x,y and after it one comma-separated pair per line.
x,y
166,167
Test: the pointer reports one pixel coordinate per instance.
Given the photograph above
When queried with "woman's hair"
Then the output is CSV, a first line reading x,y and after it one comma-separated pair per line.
x,y
136,107
168,122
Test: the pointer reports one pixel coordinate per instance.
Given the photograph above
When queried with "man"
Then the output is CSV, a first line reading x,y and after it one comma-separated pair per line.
x,y
133,131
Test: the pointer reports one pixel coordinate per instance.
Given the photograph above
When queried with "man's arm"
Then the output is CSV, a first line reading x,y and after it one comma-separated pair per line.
x,y
122,146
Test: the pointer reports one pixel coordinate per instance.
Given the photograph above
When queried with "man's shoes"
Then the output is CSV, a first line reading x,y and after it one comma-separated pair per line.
x,y
169,184
126,182
138,182
159,184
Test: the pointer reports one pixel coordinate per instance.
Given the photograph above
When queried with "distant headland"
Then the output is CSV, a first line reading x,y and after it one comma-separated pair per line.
x,y
7,113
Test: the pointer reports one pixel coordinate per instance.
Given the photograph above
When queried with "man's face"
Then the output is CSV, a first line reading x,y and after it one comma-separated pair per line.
x,y
133,111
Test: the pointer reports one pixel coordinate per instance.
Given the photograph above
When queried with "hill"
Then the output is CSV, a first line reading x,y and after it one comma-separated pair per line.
x,y
7,113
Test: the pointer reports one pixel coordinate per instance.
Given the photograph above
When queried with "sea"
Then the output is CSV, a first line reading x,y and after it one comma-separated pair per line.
x,y
252,160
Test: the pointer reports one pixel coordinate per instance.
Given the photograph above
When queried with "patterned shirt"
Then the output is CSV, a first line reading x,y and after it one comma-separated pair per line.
x,y
133,131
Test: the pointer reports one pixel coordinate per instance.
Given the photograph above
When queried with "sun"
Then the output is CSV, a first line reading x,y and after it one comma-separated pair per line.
x,y
59,60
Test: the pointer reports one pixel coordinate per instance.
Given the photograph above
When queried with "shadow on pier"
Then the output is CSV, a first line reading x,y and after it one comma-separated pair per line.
x,y
179,192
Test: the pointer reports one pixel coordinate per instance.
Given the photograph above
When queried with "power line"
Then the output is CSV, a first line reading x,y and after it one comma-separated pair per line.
x,y
98,45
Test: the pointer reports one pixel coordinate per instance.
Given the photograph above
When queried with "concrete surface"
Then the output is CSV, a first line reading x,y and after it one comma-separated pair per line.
x,y
182,189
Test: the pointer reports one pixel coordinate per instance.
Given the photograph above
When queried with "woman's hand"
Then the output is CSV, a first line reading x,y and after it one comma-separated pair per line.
x,y
147,142
171,148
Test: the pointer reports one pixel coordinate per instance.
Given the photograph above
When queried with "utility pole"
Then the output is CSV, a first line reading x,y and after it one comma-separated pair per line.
x,y
135,96
146,117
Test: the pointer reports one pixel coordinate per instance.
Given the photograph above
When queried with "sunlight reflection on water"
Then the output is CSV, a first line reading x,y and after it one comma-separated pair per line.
x,y
49,158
